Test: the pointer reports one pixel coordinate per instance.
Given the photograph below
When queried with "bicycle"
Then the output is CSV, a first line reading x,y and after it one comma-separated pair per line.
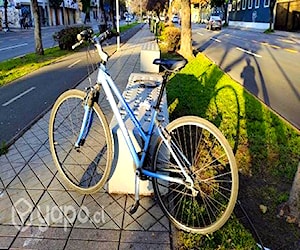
x,y
192,169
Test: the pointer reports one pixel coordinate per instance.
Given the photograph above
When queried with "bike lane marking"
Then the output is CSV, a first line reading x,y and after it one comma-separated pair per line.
x,y
215,39
248,52
14,46
17,97
74,63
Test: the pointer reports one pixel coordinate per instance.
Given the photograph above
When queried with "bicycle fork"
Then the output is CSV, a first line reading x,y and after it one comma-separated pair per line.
x,y
87,120
85,126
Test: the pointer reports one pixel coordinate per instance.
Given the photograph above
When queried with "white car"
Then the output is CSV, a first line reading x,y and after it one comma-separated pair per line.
x,y
214,22
175,19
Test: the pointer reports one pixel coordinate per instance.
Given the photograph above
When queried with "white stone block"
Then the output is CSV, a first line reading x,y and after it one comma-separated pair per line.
x,y
149,52
140,97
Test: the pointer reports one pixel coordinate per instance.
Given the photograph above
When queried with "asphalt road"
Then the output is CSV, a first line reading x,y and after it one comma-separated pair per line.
x,y
266,65
20,42
26,99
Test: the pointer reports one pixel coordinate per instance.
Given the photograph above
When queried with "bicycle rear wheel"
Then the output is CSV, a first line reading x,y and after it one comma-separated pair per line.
x,y
213,171
87,168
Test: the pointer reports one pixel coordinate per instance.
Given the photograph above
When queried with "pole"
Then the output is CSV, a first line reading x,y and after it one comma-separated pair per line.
x,y
118,24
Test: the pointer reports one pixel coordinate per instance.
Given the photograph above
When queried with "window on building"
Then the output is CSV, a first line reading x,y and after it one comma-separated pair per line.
x,y
256,3
234,5
243,4
250,4
266,3
238,7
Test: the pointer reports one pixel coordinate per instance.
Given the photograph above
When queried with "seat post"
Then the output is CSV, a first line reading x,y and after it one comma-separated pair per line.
x,y
163,86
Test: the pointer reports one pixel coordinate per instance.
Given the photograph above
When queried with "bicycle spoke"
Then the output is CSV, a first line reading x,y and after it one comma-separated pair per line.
x,y
213,172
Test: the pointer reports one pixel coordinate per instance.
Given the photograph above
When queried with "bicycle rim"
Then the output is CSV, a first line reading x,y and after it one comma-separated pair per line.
x,y
213,171
85,169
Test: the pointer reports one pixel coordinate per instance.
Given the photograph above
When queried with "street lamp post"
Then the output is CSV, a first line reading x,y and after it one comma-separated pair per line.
x,y
118,24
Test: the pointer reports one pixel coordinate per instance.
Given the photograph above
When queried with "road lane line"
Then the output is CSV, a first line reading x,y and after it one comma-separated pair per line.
x,y
215,39
248,52
291,50
275,46
201,34
74,63
13,47
287,41
18,96
16,57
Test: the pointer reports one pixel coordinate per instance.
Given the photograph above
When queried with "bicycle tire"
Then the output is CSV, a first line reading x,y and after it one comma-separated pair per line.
x,y
86,169
213,171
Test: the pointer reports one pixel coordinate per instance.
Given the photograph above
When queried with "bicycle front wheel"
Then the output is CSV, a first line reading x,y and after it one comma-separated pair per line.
x,y
86,168
208,159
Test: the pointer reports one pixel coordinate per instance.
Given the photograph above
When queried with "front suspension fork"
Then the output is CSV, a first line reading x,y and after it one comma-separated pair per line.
x,y
85,126
87,120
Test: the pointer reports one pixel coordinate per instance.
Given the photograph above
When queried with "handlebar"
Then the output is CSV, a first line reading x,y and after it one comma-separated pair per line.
x,y
77,44
87,35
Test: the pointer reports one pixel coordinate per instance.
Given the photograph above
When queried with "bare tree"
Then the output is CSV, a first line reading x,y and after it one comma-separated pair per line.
x,y
37,28
186,49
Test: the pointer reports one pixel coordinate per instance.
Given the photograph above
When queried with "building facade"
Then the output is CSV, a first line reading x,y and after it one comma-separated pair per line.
x,y
19,13
250,13
256,14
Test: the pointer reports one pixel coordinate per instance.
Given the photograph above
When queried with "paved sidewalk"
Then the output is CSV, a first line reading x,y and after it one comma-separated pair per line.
x,y
38,212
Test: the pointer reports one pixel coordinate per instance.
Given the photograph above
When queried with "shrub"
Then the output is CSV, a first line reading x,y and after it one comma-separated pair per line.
x,y
171,38
67,37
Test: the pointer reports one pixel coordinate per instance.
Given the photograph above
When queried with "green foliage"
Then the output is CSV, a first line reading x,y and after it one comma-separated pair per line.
x,y
3,148
86,4
262,142
266,148
217,3
233,235
170,38
15,68
268,31
67,37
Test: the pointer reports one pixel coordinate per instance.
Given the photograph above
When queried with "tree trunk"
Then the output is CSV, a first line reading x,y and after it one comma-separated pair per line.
x,y
271,7
37,28
291,210
186,49
5,13
112,13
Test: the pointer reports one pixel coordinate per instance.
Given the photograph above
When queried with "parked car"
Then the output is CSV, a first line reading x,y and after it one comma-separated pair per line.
x,y
175,19
214,22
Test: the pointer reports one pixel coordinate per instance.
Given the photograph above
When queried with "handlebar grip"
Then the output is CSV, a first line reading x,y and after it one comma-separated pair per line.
x,y
77,44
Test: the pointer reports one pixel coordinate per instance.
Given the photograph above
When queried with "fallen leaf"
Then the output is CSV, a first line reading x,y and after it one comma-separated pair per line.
x,y
263,208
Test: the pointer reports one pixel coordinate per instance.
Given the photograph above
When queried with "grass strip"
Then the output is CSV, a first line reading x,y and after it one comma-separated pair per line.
x,y
13,69
265,146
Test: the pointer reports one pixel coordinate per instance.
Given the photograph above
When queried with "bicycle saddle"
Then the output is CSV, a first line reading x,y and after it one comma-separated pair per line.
x,y
171,64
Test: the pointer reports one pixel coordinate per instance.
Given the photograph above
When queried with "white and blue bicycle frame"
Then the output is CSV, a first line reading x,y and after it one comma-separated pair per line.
x,y
111,90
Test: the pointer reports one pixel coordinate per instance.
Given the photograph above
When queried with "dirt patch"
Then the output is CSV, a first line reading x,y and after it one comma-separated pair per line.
x,y
273,230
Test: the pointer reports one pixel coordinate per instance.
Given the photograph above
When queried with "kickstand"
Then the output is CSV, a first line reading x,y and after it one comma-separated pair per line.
x,y
136,203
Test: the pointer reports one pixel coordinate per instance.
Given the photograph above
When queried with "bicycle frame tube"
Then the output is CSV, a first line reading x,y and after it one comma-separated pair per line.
x,y
110,88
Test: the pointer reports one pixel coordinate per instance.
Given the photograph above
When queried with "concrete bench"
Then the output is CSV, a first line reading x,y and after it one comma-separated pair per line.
x,y
140,97
149,52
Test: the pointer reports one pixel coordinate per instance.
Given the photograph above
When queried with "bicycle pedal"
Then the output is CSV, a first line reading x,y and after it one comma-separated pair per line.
x,y
134,207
